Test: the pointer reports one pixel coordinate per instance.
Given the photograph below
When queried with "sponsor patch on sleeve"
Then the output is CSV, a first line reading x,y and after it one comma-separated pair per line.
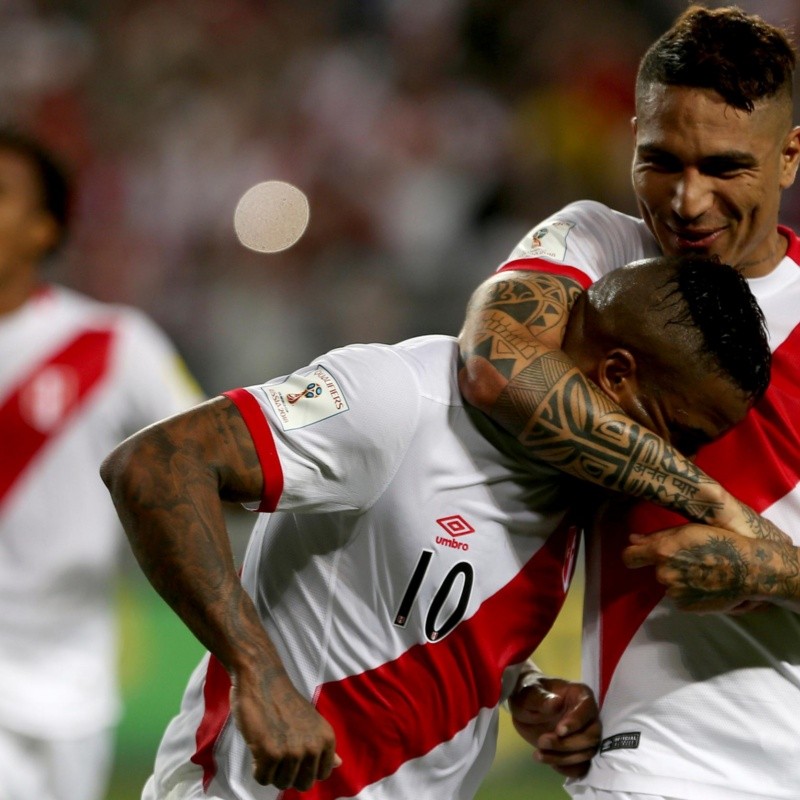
x,y
549,241
305,399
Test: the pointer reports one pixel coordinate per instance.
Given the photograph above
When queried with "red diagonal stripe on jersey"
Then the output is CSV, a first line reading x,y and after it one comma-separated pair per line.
x,y
428,694
758,462
87,356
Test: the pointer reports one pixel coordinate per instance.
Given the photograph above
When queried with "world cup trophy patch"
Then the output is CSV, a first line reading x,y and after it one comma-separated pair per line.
x,y
306,398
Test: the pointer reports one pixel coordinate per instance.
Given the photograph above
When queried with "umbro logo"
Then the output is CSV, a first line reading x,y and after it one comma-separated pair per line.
x,y
456,526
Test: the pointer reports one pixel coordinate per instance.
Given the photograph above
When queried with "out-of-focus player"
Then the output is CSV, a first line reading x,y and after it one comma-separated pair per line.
x,y
407,563
76,377
693,707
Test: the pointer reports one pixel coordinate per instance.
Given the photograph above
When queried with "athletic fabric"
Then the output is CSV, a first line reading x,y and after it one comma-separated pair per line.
x,y
76,377
693,707
407,571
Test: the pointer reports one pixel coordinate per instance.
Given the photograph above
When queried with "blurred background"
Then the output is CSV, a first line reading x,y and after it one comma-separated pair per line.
x,y
428,135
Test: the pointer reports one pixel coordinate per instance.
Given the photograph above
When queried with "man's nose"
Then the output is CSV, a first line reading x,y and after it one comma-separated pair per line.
x,y
693,195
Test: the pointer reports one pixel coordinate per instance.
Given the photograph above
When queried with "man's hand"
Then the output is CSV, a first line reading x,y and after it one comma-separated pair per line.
x,y
561,720
708,569
292,745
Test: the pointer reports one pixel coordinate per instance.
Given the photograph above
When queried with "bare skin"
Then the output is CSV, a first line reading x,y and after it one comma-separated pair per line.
x,y
535,389
27,231
168,483
709,569
708,180
708,177
561,720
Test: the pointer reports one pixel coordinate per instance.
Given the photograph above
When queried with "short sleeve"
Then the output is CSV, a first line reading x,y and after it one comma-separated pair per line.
x,y
333,433
583,241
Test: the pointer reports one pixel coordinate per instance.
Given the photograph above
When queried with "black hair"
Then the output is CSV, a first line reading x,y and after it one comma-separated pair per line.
x,y
716,299
738,55
55,185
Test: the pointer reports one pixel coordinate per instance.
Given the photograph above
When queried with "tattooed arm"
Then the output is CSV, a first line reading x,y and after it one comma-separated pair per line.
x,y
168,483
515,371
708,569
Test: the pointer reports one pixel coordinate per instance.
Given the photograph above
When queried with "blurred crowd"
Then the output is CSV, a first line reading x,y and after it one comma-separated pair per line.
x,y
429,135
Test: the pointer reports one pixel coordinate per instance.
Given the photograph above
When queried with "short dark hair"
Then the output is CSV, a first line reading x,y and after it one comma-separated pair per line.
x,y
738,55
683,312
716,299
55,184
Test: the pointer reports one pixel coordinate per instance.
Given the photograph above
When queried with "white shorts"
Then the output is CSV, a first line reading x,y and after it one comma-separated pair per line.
x,y
68,769
589,793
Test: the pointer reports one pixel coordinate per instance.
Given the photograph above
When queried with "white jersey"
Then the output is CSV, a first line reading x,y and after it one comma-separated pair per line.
x,y
695,707
76,377
408,569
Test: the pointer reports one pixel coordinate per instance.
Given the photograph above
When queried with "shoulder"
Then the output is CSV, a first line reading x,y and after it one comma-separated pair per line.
x,y
96,313
422,366
586,235
592,219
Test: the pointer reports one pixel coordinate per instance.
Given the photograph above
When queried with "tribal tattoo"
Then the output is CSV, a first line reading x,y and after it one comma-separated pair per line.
x,y
559,414
575,427
539,302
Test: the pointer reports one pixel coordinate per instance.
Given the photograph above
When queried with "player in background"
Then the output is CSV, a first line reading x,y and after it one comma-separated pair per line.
x,y
406,563
693,707
76,377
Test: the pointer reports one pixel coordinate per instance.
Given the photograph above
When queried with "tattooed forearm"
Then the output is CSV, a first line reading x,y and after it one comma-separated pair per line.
x,y
167,483
568,422
515,371
719,570
761,528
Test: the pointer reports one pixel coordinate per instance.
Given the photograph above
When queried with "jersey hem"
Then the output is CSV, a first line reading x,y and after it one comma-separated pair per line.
x,y
671,787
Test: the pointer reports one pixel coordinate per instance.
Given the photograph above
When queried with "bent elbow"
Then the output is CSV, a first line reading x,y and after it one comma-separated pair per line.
x,y
480,383
112,470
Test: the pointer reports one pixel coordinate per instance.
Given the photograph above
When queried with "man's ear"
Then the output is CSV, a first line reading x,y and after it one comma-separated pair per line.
x,y
617,375
790,158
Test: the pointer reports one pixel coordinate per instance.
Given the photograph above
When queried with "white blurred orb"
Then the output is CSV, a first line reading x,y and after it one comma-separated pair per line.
x,y
271,216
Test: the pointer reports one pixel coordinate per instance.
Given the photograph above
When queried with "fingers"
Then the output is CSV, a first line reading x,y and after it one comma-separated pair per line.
x,y
562,722
296,770
571,765
535,705
644,550
580,714
292,745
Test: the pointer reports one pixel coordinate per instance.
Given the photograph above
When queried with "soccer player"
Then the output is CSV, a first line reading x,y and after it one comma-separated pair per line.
x,y
76,377
693,707
406,563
